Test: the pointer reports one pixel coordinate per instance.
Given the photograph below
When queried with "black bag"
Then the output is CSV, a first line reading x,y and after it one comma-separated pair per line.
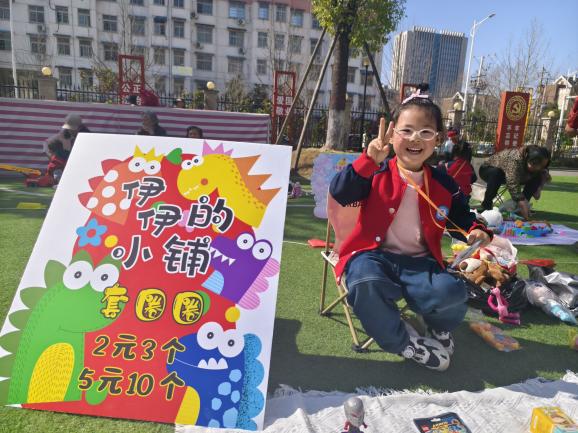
x,y
514,291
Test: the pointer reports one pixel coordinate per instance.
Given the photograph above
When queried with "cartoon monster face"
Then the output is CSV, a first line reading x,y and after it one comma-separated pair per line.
x,y
198,176
239,261
80,292
212,357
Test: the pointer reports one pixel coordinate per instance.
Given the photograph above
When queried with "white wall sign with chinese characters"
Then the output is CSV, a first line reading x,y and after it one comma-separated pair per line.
x,y
150,293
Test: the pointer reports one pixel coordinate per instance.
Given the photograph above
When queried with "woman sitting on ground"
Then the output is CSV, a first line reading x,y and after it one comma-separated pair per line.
x,y
526,166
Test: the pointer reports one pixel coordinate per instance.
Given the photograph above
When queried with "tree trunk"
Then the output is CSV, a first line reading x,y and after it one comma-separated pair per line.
x,y
336,134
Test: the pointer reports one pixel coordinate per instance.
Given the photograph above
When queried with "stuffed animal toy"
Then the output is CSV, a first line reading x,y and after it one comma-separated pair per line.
x,y
478,272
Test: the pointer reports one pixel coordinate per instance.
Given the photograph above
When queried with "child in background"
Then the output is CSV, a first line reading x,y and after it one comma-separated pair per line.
x,y
460,167
394,250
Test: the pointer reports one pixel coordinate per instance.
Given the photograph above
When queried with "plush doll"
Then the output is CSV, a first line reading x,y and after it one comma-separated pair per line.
x,y
478,272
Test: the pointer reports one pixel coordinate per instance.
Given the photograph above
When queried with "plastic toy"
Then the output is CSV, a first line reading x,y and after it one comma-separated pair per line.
x,y
354,415
531,229
551,420
499,304
494,336
543,297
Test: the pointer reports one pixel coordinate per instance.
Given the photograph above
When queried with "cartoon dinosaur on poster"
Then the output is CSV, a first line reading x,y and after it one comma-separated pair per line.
x,y
217,170
47,351
222,374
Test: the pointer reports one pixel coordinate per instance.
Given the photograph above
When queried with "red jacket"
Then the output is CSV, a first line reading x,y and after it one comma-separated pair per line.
x,y
380,189
463,173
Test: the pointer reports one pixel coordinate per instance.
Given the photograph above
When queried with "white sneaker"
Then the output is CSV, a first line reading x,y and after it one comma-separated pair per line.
x,y
428,352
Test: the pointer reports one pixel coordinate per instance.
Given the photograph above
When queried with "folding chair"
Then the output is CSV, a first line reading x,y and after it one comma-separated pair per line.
x,y
341,220
479,191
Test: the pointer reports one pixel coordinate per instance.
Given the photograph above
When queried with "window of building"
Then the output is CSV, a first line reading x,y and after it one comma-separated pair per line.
x,y
138,50
110,51
86,78
261,66
178,85
313,43
84,17
204,34
297,17
63,45
294,67
279,64
37,44
138,25
351,74
205,7
235,65
368,98
179,4
314,23
160,55
263,11
362,77
236,38
201,84
178,57
160,26
4,10
159,2
65,76
262,40
279,41
137,2
109,23
236,9
36,14
160,85
179,28
204,62
61,14
85,47
314,72
295,44
5,41
281,13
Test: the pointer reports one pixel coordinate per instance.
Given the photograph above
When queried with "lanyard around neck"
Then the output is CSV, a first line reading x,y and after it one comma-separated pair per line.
x,y
430,202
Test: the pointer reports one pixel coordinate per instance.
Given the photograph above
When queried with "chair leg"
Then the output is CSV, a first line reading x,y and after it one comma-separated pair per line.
x,y
350,323
331,306
325,270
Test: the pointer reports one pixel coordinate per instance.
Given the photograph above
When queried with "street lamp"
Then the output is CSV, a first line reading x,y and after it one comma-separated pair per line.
x,y
473,37
366,66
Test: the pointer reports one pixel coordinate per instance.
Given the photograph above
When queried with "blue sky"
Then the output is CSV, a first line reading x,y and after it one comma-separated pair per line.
x,y
558,19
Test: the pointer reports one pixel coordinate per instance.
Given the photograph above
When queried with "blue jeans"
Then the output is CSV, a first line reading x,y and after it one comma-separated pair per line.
x,y
376,280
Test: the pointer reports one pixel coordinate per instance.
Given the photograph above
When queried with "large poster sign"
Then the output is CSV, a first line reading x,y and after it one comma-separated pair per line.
x,y
150,293
512,120
325,166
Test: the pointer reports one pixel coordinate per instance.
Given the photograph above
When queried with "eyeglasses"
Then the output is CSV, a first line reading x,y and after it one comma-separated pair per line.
x,y
424,134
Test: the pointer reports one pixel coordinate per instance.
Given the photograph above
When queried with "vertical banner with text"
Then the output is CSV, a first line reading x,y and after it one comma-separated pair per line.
x,y
150,293
512,120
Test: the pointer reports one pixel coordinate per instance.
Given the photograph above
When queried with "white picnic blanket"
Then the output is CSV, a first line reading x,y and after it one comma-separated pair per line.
x,y
499,410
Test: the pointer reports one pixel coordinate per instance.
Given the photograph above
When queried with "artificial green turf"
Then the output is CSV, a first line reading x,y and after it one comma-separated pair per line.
x,y
313,352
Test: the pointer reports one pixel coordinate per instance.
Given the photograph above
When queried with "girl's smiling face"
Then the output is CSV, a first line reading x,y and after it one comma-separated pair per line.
x,y
412,152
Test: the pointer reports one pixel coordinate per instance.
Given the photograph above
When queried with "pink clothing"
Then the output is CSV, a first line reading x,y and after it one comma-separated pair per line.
x,y
405,234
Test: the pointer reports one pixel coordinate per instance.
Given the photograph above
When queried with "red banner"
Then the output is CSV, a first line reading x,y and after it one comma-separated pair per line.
x,y
512,120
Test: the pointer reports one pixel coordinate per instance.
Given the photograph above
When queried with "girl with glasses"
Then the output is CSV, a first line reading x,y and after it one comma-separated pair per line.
x,y
394,251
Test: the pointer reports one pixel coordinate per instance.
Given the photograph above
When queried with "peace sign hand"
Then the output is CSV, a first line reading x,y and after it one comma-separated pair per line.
x,y
378,148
